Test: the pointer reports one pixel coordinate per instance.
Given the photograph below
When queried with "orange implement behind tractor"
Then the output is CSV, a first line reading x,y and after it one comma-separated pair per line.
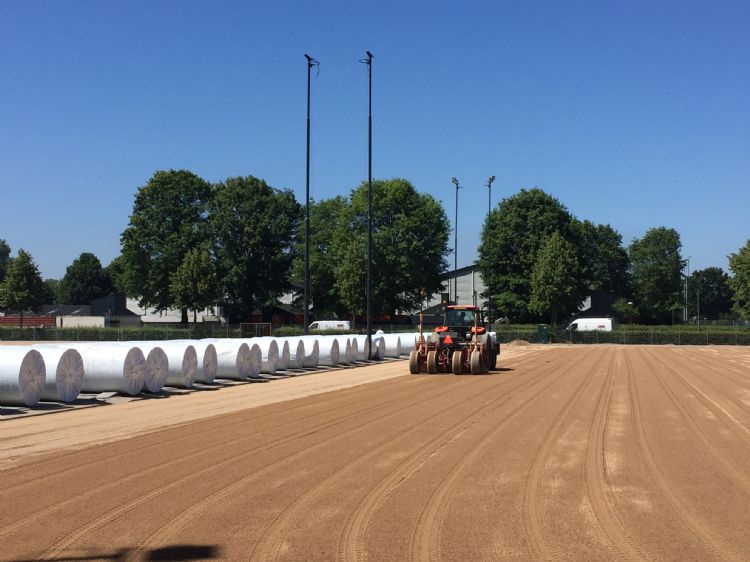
x,y
461,345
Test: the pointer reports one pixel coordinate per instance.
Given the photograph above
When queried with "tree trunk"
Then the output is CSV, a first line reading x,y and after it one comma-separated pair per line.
x,y
20,320
195,316
184,316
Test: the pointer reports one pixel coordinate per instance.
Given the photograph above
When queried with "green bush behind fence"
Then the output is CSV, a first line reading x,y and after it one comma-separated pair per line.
x,y
625,334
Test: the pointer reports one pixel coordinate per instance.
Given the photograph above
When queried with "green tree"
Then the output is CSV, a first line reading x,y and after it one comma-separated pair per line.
x,y
626,310
52,291
168,219
115,271
511,238
410,243
604,261
656,268
326,220
739,265
712,285
194,283
23,288
556,281
4,257
253,228
84,281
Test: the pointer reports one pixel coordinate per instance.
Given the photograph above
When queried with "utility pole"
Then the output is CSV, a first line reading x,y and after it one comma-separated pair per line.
x,y
311,62
368,61
489,210
455,246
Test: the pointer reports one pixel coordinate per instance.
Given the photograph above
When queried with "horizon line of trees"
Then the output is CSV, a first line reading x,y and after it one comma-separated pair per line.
x,y
239,243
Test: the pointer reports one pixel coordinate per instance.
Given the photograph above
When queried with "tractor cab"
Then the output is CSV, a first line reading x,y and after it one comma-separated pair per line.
x,y
461,322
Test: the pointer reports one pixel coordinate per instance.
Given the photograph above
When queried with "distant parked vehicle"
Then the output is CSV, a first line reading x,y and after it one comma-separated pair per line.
x,y
592,325
331,325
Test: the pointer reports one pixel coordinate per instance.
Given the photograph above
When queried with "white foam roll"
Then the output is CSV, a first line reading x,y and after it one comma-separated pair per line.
x,y
22,376
156,366
64,372
112,367
378,347
312,351
234,359
255,361
284,355
354,349
329,351
183,363
296,352
269,354
206,359
392,344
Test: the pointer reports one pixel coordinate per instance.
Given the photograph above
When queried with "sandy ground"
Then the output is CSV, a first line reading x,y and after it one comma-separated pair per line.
x,y
567,453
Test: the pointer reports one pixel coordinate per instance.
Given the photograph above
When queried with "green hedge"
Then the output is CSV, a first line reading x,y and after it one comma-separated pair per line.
x,y
115,334
636,334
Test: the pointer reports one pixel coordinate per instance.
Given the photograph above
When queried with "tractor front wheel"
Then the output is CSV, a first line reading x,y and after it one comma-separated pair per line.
x,y
475,362
457,362
432,362
414,362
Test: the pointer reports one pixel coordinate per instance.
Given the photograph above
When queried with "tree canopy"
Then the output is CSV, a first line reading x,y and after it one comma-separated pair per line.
x,y
84,281
511,238
711,286
555,280
253,227
23,288
194,284
326,220
604,262
410,245
657,269
4,257
739,264
168,219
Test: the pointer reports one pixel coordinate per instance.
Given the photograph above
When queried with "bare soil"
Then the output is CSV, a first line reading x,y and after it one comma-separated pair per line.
x,y
565,453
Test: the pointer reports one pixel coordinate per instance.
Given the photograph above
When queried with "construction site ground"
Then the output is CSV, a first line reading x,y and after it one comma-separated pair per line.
x,y
565,453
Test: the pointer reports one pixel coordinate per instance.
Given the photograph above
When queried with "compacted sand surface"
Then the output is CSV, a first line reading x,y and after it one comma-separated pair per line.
x,y
565,453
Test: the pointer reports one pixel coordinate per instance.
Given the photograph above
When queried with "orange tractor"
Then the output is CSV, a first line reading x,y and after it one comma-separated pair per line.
x,y
461,345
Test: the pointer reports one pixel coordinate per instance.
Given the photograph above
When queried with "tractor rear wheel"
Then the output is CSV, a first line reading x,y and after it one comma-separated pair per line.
x,y
432,362
414,362
485,360
493,359
475,361
457,362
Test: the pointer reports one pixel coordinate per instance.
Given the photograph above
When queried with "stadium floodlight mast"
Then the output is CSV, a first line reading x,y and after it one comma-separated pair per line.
x,y
311,62
368,61
489,210
455,246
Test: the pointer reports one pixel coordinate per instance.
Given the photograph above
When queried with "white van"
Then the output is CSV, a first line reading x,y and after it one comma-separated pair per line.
x,y
592,324
331,325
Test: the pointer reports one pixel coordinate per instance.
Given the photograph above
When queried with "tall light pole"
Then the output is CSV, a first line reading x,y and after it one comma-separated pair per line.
x,y
489,210
368,61
687,314
311,62
455,246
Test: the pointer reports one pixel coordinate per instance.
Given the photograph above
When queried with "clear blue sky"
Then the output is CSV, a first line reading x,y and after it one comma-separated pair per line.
x,y
635,114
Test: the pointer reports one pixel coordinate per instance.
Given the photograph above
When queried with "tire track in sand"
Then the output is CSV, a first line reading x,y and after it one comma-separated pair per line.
x,y
679,507
56,549
426,538
532,494
180,460
600,493
273,544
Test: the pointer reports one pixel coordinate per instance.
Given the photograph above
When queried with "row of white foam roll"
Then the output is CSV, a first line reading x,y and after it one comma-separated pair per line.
x,y
59,372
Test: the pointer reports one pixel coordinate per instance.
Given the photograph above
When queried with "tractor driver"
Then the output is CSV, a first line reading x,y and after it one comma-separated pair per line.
x,y
462,319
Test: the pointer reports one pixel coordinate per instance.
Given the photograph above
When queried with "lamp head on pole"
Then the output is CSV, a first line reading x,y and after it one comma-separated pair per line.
x,y
455,182
490,180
